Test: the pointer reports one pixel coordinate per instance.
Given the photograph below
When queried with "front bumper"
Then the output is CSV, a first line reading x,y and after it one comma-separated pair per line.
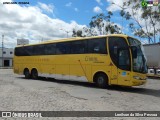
x,y
138,82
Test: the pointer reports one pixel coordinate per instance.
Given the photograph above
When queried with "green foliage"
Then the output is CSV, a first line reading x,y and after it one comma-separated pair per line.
x,y
77,33
122,13
149,16
101,22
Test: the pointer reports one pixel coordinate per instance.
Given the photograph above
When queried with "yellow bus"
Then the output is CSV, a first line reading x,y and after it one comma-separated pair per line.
x,y
115,59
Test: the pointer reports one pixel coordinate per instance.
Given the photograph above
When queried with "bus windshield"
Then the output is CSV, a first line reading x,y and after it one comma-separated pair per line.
x,y
139,63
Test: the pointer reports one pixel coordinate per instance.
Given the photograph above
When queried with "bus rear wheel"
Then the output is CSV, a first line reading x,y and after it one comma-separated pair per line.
x,y
26,74
101,80
34,74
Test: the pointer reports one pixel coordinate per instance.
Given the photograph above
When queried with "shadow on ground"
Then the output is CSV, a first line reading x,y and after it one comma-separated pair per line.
x,y
138,90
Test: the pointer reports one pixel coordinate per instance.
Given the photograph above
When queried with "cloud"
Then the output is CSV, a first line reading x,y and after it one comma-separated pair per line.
x,y
115,5
47,8
76,9
69,4
99,2
31,23
97,9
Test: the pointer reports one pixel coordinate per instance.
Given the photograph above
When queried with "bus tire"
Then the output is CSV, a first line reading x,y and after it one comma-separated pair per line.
x,y
101,80
26,73
34,74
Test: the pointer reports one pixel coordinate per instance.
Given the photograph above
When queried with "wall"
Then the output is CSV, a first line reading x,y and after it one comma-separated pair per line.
x,y
7,56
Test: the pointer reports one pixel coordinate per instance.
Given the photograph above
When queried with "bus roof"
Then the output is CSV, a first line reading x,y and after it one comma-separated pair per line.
x,y
73,39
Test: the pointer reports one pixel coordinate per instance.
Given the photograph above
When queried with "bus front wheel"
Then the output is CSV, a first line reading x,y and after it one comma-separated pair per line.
x,y
101,80
34,74
26,74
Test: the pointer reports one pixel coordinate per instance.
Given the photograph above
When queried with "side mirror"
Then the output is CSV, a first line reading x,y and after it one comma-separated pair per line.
x,y
134,51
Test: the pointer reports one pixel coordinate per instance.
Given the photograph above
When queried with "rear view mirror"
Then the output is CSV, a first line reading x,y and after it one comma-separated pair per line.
x,y
134,51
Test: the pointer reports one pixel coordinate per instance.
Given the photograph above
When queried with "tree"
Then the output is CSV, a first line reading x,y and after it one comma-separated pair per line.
x,y
99,25
103,23
77,33
144,21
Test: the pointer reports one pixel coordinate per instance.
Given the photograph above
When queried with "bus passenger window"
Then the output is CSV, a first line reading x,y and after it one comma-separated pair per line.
x,y
97,45
78,47
49,49
63,48
96,49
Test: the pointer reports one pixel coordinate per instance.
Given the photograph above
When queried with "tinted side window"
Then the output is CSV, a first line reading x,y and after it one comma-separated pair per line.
x,y
49,49
18,51
24,51
124,60
97,46
41,50
116,42
63,48
38,50
79,47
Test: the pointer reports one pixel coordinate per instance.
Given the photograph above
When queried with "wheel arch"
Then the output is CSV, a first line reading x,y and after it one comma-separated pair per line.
x,y
99,72
25,70
34,69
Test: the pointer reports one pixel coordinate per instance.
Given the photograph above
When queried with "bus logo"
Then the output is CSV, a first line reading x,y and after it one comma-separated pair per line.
x,y
144,3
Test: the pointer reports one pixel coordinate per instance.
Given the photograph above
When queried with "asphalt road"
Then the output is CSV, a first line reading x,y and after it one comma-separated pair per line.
x,y
19,94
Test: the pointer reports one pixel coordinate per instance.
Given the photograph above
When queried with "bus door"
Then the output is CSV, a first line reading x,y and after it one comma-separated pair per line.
x,y
120,60
123,69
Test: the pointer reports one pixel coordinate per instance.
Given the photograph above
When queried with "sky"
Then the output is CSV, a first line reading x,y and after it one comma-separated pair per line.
x,y
42,20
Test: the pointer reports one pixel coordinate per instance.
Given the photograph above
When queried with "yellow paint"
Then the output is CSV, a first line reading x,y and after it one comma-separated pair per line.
x,y
78,65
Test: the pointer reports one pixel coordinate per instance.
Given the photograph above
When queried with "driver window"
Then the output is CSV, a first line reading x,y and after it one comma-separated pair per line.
x,y
124,59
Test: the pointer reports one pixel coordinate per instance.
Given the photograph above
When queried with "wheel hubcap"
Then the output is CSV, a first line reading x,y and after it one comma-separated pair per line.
x,y
100,80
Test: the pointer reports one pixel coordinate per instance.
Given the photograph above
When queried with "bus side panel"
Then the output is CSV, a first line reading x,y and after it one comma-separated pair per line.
x,y
18,65
79,69
62,71
15,65
47,70
89,73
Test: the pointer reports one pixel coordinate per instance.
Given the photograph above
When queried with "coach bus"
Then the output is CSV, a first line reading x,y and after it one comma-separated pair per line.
x,y
115,59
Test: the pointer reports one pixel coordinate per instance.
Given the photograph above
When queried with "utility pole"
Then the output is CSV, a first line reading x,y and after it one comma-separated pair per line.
x,y
67,33
2,48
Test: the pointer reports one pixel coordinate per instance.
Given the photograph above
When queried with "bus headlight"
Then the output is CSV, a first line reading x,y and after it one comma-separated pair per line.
x,y
136,77
139,78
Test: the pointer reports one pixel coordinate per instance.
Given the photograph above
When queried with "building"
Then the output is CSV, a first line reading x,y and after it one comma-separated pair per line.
x,y
6,60
6,57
